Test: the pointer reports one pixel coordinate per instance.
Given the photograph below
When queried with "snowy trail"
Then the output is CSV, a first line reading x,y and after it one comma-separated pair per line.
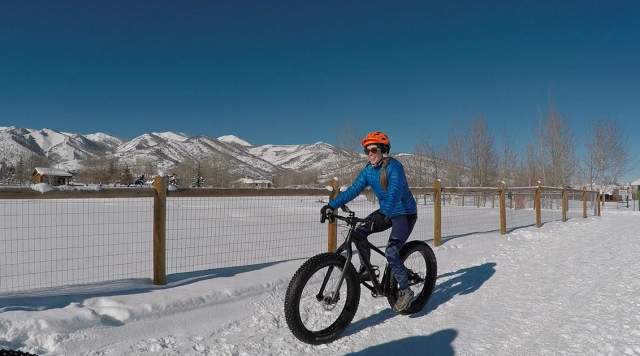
x,y
564,289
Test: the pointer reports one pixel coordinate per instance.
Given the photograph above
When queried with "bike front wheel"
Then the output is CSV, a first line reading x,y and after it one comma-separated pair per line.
x,y
421,265
315,310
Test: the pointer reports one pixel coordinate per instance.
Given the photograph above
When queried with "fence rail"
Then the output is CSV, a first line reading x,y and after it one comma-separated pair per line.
x,y
75,237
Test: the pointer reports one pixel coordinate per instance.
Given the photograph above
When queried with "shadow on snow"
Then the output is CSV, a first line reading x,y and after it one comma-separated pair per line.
x,y
49,298
460,282
438,343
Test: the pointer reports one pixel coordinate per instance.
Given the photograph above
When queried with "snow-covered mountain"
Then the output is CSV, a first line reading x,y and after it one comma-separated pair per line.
x,y
318,156
235,140
16,143
110,143
169,149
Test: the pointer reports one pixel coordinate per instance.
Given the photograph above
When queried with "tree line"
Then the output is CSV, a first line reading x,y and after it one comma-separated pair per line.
x,y
471,157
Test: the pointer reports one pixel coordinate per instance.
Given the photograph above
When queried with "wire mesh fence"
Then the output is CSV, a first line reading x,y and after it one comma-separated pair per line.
x,y
575,204
57,238
520,210
48,243
627,203
468,211
551,206
213,232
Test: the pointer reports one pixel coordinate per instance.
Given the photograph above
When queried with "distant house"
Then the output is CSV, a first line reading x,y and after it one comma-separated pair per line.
x,y
609,192
635,185
51,176
251,183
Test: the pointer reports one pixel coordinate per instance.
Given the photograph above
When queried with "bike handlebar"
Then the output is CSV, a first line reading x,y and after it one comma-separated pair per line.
x,y
351,219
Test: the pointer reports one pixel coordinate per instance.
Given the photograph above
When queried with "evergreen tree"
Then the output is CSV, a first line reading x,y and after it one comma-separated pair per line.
x,y
197,180
3,171
126,177
20,174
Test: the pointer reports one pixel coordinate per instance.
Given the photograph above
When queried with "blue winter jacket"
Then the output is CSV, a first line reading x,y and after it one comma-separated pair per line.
x,y
396,200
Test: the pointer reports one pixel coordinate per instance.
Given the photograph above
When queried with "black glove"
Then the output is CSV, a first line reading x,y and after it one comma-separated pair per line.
x,y
325,213
379,221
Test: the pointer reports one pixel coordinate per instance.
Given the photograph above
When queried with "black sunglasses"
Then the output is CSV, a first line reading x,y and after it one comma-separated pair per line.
x,y
373,150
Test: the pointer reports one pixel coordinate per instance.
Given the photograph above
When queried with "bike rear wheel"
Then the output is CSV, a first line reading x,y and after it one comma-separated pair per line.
x,y
422,267
315,315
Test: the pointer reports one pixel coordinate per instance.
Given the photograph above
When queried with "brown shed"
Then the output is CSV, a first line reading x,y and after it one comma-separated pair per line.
x,y
52,176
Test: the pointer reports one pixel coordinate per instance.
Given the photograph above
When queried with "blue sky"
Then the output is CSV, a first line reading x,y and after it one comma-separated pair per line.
x,y
294,71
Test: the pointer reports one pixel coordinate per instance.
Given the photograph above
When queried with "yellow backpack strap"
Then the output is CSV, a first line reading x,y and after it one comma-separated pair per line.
x,y
383,173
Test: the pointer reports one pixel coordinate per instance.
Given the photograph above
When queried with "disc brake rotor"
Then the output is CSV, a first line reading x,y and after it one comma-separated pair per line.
x,y
328,303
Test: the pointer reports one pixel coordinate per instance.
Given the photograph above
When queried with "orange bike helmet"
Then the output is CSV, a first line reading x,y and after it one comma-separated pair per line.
x,y
377,138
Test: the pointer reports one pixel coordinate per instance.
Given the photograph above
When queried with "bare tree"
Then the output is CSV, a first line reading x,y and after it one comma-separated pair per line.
x,y
455,159
100,170
420,164
530,170
184,171
348,138
482,158
296,178
559,151
508,162
428,163
217,171
607,153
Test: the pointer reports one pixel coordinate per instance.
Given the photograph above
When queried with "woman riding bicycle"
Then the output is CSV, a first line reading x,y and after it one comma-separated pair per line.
x,y
386,177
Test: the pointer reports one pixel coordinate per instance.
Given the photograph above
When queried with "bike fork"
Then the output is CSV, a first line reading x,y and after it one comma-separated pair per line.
x,y
334,297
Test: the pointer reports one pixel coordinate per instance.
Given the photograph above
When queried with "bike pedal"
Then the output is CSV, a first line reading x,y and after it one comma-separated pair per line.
x,y
364,274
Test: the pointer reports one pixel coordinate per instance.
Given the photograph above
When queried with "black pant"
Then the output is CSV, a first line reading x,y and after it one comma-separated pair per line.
x,y
402,225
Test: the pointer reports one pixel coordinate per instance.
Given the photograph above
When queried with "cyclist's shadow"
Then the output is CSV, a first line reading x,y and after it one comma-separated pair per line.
x,y
461,282
439,343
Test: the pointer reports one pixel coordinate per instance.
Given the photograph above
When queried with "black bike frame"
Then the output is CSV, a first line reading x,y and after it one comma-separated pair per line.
x,y
378,288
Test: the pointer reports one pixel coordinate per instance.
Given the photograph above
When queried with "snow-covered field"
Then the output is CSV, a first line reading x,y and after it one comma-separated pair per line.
x,y
563,289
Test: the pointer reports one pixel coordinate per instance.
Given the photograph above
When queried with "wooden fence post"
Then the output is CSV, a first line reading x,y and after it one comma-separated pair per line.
x,y
332,232
536,205
503,210
159,231
437,213
584,202
565,203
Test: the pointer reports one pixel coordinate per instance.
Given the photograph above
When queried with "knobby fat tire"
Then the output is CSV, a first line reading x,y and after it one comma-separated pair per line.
x,y
430,277
294,292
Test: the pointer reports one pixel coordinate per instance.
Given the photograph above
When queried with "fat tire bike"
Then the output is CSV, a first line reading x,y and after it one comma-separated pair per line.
x,y
324,293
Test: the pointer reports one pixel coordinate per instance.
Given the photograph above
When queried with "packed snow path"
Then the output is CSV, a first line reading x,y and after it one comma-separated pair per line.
x,y
564,289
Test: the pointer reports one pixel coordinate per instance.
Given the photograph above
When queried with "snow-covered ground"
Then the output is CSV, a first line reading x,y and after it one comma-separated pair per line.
x,y
563,289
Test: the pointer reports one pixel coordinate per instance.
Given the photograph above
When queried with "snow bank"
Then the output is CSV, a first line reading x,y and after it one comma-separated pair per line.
x,y
41,187
44,187
90,187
